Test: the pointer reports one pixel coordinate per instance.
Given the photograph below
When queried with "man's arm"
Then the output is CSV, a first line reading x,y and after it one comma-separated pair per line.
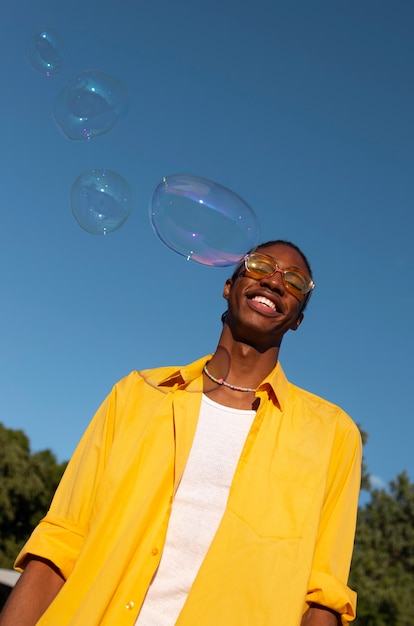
x,y
39,584
319,616
328,582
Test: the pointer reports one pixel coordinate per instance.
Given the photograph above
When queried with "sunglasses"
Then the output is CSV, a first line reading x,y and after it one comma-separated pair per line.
x,y
260,266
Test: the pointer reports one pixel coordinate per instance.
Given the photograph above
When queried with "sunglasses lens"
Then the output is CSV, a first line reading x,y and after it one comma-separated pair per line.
x,y
297,281
259,265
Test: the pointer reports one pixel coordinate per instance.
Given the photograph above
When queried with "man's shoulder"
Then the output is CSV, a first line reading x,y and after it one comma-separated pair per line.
x,y
152,376
164,376
317,405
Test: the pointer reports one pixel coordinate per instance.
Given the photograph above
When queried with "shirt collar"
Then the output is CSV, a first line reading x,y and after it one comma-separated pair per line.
x,y
277,386
184,375
276,383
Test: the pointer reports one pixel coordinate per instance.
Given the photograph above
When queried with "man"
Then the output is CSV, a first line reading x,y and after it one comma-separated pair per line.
x,y
256,480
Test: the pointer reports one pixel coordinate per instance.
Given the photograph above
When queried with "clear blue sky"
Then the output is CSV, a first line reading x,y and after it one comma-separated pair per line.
x,y
305,109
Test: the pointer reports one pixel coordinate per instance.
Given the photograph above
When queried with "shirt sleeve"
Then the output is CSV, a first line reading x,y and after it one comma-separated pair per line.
x,y
59,536
333,552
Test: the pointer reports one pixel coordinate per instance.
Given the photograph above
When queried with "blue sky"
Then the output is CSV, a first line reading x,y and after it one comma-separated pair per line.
x,y
305,109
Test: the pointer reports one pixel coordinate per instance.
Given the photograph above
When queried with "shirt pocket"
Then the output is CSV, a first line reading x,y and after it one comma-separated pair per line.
x,y
279,507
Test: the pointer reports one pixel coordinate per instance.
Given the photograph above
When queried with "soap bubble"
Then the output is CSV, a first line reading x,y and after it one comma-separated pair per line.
x,y
44,51
101,201
90,104
202,220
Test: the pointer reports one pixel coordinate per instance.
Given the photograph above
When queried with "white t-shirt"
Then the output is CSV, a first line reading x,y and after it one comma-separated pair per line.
x,y
197,509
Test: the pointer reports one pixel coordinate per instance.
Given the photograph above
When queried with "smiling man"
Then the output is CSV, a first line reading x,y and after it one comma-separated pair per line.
x,y
214,494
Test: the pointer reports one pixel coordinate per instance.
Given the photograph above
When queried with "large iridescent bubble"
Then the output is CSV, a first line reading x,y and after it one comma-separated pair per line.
x,y
44,51
100,201
90,105
202,220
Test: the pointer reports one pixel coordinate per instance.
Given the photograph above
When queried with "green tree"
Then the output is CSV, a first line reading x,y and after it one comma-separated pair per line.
x,y
383,563
27,484
365,482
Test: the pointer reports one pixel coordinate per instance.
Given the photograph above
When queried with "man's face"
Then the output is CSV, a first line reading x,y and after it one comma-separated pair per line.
x,y
263,310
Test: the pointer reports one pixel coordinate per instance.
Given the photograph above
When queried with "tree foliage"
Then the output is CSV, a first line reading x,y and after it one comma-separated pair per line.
x,y
365,481
27,484
383,563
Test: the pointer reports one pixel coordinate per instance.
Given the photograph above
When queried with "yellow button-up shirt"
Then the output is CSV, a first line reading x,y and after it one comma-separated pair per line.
x,y
285,539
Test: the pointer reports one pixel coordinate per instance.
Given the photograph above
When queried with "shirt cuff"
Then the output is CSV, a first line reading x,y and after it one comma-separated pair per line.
x,y
329,591
55,540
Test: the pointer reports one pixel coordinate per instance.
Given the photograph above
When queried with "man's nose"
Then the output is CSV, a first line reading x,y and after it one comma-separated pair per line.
x,y
275,281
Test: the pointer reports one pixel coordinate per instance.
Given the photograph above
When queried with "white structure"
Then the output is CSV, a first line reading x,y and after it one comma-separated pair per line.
x,y
8,577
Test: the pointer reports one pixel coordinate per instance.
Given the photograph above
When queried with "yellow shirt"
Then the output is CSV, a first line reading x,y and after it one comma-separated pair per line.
x,y
285,539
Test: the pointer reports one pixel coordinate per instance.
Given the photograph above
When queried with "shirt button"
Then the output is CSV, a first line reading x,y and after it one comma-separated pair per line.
x,y
129,605
154,551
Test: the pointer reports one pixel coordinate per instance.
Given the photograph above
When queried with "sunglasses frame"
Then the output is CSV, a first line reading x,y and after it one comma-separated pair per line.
x,y
257,274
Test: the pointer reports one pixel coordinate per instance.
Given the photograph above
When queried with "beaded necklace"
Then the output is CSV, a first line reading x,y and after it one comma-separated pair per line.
x,y
221,381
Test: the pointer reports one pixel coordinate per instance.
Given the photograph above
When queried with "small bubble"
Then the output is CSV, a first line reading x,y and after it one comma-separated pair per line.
x,y
100,201
44,51
90,104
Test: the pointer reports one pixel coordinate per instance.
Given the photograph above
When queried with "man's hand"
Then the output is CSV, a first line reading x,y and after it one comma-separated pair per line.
x,y
320,616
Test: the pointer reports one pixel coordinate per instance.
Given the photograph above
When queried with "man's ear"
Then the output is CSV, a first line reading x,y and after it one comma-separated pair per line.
x,y
227,288
297,322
